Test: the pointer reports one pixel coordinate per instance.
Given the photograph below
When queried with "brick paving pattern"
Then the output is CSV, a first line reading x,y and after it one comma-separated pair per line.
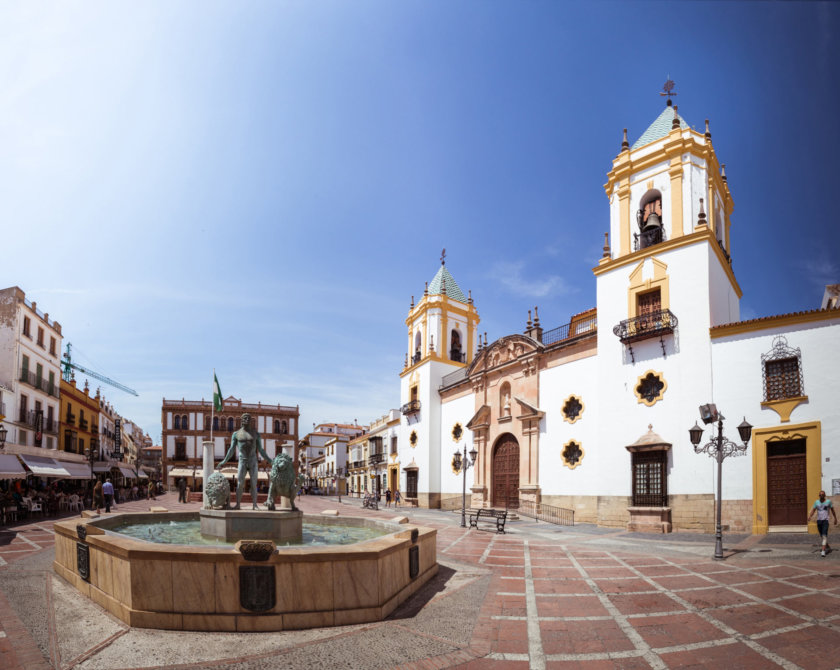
x,y
552,598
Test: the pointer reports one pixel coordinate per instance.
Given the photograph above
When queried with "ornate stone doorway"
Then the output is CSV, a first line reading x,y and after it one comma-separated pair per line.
x,y
506,472
787,495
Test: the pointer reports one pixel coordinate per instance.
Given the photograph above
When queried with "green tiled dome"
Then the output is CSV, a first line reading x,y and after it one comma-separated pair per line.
x,y
452,288
658,129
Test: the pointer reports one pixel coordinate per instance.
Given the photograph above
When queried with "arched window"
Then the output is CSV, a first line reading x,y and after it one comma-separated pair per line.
x,y
455,353
284,428
277,426
418,343
230,424
215,423
649,218
184,422
504,400
177,422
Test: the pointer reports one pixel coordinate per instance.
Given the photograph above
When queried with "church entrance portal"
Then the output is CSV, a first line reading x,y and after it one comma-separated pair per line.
x,y
787,496
506,472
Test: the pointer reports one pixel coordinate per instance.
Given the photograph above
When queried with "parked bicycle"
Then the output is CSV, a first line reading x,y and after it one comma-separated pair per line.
x,y
371,501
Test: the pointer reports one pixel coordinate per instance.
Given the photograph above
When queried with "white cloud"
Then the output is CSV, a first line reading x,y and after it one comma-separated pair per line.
x,y
509,274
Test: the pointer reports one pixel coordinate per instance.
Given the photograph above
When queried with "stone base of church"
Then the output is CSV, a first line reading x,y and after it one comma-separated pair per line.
x,y
649,519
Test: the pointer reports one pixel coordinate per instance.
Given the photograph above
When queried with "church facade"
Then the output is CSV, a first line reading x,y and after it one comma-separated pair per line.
x,y
594,416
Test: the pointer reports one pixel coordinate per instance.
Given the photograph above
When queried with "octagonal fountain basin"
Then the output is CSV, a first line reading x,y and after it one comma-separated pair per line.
x,y
252,585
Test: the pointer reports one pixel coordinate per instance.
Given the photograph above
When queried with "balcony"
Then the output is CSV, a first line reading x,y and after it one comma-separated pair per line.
x,y
648,238
457,356
83,424
70,419
654,324
411,407
373,459
40,383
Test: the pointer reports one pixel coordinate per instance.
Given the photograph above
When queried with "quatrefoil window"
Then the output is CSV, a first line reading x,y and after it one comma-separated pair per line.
x,y
457,432
572,454
650,387
572,409
412,439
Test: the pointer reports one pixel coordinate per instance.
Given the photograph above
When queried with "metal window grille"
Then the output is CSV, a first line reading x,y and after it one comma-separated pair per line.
x,y
650,482
782,371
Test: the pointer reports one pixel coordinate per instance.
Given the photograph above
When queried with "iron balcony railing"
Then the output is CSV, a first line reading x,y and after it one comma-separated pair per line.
x,y
70,419
588,326
41,383
542,512
457,356
411,407
83,424
30,418
653,324
373,459
648,238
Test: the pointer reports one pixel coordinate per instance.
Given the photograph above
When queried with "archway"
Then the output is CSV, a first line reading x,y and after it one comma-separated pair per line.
x,y
506,472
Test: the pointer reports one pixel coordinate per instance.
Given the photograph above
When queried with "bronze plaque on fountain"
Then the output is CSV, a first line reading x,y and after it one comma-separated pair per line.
x,y
83,560
413,561
256,587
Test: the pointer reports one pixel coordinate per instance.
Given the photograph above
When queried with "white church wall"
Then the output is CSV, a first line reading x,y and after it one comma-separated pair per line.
x,y
459,410
724,304
579,378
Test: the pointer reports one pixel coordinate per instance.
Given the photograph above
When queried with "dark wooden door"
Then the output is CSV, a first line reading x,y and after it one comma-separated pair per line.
x,y
506,472
786,483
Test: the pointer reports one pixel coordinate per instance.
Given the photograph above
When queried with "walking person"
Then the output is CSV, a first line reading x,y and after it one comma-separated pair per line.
x,y
182,490
822,506
397,498
108,492
97,501
387,497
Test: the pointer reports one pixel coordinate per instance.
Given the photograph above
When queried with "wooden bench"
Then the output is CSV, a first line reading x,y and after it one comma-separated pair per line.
x,y
488,516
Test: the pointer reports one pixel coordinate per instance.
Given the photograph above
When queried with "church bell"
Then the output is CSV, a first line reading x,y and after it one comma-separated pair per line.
x,y
653,221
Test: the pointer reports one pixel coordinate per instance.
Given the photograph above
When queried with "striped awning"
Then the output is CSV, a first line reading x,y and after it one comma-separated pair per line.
x,y
183,472
10,467
44,467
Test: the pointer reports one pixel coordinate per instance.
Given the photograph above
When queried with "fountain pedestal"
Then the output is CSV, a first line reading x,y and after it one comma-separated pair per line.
x,y
279,526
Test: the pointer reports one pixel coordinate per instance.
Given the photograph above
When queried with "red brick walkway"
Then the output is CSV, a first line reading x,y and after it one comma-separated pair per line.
x,y
569,600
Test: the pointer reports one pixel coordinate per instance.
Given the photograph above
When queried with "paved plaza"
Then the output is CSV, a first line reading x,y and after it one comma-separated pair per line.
x,y
540,596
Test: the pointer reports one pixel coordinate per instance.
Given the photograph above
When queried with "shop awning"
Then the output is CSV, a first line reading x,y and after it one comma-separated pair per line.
x,y
44,467
76,470
102,467
127,472
182,472
10,467
142,474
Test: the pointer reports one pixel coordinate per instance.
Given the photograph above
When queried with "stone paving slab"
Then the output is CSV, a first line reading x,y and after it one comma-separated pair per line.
x,y
537,597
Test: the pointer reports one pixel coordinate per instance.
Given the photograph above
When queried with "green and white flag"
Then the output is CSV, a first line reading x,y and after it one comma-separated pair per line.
x,y
217,394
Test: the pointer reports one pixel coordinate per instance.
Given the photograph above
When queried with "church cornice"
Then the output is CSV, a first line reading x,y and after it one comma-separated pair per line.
x,y
507,350
702,235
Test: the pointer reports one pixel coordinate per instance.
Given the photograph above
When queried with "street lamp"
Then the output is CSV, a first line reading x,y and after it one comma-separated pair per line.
x,y
463,464
719,448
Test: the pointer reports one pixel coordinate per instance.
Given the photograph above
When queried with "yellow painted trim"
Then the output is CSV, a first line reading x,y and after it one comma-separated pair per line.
x,y
639,286
812,433
668,245
784,408
645,401
740,327
676,174
582,454
624,219
580,414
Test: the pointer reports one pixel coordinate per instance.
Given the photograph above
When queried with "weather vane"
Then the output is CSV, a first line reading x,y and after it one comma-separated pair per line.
x,y
443,256
668,88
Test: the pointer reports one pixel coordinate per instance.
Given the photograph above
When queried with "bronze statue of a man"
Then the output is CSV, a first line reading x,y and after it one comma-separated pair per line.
x,y
249,445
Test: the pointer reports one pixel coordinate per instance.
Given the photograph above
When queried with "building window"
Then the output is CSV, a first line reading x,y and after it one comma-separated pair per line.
x,y
782,369
457,432
393,444
650,387
572,409
455,353
185,422
284,427
24,368
215,423
276,426
572,454
412,439
230,424
27,327
411,484
180,451
23,437
40,337
52,346
650,482
177,422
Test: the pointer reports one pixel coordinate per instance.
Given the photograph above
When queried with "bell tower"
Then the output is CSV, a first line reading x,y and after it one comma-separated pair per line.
x,y
442,338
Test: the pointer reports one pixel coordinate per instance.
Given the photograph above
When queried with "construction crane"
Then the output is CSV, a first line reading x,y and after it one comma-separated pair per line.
x,y
67,363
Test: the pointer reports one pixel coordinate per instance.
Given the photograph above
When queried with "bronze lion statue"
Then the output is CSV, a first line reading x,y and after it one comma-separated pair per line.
x,y
282,480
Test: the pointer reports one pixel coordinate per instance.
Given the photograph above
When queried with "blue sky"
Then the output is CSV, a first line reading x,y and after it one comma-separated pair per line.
x,y
260,187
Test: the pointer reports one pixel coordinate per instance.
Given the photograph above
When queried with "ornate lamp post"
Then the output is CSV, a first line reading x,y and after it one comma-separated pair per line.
x,y
719,447
463,464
